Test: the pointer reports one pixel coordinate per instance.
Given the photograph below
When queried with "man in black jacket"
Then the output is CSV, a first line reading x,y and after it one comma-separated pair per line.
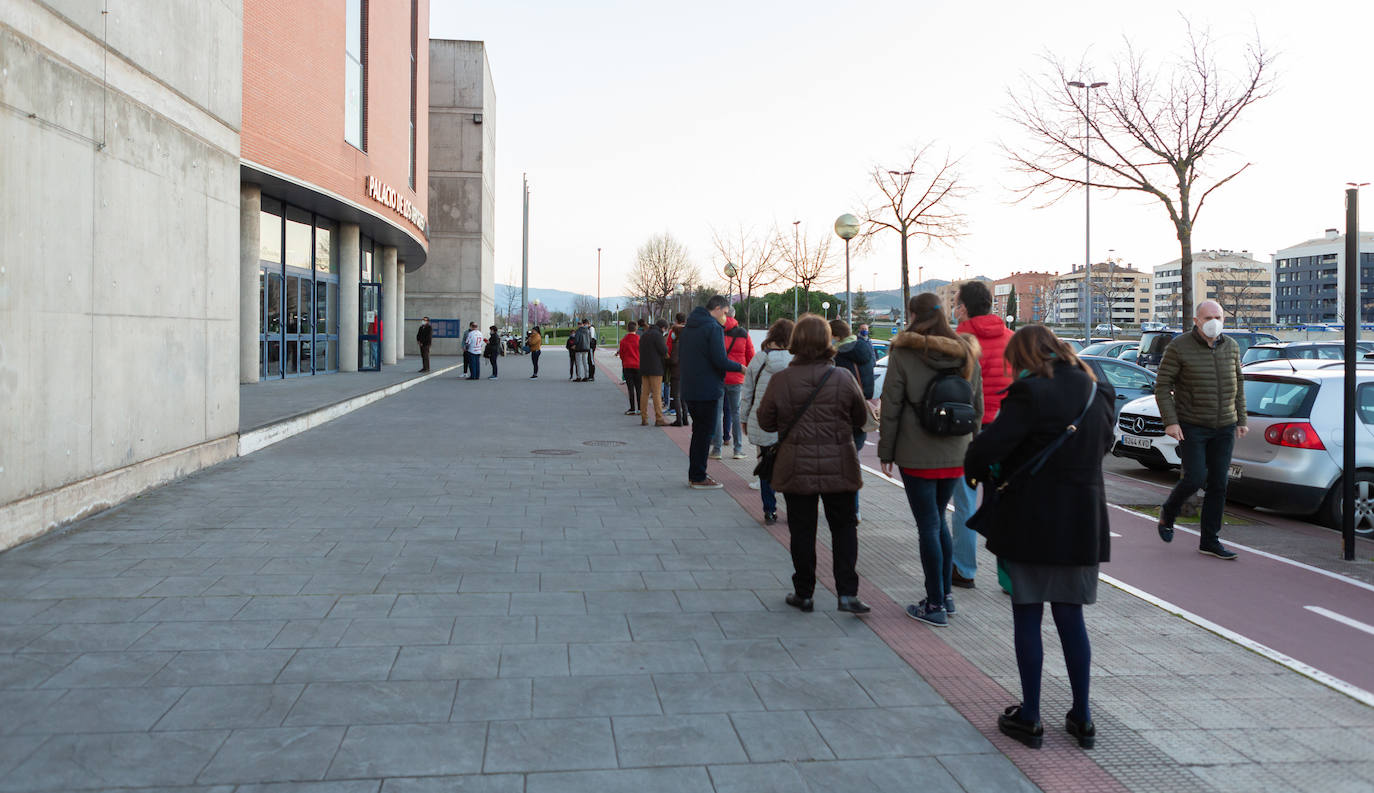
x,y
653,356
702,364
424,337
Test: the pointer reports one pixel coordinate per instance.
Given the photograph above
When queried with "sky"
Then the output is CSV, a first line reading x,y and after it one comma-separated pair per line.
x,y
636,117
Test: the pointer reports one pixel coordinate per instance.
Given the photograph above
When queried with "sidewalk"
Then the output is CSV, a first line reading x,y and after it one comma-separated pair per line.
x,y
441,593
273,401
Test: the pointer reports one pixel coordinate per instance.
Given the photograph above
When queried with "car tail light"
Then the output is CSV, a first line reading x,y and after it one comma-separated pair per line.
x,y
1297,435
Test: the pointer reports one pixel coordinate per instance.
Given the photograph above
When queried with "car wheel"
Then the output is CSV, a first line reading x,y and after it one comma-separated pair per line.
x,y
1364,504
1156,465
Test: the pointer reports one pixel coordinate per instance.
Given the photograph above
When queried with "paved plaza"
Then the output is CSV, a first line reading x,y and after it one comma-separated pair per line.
x,y
507,586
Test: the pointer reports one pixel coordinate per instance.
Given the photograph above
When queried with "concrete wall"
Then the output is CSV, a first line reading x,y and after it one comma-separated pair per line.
x,y
118,250
459,279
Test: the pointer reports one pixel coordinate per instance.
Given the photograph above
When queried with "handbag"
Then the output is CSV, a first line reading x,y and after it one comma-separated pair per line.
x,y
768,455
982,520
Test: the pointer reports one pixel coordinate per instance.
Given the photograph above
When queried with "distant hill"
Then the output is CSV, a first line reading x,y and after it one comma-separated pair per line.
x,y
884,299
558,299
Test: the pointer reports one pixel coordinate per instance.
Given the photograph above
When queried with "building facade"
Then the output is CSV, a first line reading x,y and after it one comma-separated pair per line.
x,y
119,152
1114,288
1240,283
1034,296
459,283
334,182
1309,280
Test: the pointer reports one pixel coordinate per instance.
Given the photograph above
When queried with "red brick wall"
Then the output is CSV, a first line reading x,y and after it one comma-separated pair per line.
x,y
293,97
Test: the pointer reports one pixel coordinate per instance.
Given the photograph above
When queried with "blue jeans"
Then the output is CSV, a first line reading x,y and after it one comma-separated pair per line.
x,y
1206,456
770,498
729,427
474,365
859,439
928,499
965,539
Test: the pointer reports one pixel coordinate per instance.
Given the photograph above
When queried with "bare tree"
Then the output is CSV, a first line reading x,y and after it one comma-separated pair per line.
x,y
917,201
1157,127
1115,284
510,299
808,261
1242,288
756,259
661,268
584,306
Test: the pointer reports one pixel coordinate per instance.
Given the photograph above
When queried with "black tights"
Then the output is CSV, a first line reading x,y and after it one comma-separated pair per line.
x,y
1030,655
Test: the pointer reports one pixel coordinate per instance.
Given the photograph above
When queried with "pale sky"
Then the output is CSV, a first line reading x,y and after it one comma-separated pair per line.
x,y
633,117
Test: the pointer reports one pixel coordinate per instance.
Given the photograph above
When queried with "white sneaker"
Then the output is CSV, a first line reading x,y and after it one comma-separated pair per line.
x,y
714,455
739,455
755,485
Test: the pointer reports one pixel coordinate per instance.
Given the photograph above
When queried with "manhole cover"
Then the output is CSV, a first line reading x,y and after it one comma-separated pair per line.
x,y
553,452
603,443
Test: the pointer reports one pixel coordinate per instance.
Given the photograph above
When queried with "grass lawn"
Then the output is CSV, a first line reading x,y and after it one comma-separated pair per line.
x,y
1227,519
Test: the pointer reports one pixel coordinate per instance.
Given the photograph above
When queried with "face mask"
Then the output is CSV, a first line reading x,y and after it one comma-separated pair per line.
x,y
1211,328
863,333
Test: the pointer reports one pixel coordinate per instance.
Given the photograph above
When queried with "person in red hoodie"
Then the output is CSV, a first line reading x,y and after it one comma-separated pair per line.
x,y
629,365
740,349
973,309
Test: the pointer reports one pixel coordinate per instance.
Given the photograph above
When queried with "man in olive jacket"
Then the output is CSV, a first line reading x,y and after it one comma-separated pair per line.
x,y
1201,398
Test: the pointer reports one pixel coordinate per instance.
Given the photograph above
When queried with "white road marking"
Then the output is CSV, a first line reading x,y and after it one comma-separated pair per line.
x,y
1352,691
1114,534
1342,619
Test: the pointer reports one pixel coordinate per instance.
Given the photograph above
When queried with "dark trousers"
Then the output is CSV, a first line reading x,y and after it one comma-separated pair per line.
x,y
632,385
675,396
572,364
844,540
704,417
492,358
424,357
1206,456
474,365
1030,655
534,359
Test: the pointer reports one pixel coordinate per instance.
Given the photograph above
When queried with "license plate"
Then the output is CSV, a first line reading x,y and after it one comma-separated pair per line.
x,y
1135,442
1235,471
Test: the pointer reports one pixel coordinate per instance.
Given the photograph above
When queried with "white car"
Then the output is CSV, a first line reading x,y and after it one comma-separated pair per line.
x,y
880,349
1140,436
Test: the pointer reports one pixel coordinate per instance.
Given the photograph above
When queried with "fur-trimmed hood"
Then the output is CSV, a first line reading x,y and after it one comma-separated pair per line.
x,y
943,352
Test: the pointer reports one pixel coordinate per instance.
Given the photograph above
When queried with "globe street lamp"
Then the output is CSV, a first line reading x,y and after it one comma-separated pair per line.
x,y
847,226
730,271
825,307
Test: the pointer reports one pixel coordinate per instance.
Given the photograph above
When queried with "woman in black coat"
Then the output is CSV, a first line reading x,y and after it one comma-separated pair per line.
x,y
1049,529
493,350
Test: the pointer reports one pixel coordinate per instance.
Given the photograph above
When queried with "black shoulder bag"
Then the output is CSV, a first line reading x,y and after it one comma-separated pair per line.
x,y
981,520
768,455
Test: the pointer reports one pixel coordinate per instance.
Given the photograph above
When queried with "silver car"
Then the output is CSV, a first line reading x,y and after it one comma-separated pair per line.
x,y
1291,459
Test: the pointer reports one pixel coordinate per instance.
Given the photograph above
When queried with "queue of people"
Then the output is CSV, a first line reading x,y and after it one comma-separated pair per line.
x,y
962,406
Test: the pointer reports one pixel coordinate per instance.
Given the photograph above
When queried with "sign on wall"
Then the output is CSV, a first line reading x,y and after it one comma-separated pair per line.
x,y
386,195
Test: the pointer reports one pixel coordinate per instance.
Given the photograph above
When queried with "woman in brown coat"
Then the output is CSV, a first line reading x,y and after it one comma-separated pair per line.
x,y
816,409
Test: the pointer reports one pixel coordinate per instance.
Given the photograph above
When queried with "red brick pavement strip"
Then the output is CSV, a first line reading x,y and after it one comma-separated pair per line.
x,y
1059,766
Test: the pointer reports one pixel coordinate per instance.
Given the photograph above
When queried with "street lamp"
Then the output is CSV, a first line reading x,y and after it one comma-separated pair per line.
x,y
598,285
730,271
1087,201
796,262
825,307
847,227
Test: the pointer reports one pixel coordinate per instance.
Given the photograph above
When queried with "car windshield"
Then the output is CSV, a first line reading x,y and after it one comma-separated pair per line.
x,y
1261,354
1273,397
1095,349
1154,342
1247,340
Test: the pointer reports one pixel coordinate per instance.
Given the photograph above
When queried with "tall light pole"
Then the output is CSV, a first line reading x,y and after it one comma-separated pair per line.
x,y
825,308
1087,203
1351,317
598,287
796,263
847,227
525,265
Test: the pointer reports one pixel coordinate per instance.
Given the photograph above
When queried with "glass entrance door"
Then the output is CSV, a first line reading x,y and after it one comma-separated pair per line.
x,y
370,327
270,296
298,351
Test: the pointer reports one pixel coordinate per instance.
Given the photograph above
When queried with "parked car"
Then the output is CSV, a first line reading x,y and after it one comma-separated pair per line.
x,y
1152,344
1110,349
1145,327
1268,351
880,350
1291,459
1130,381
1140,436
1132,355
1078,344
1105,328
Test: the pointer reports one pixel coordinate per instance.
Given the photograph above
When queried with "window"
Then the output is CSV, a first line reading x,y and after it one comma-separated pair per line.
x,y
1279,399
1364,402
269,238
1122,376
298,223
355,73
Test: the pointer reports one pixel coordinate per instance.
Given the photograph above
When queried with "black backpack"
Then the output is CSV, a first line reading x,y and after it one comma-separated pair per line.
x,y
582,340
948,405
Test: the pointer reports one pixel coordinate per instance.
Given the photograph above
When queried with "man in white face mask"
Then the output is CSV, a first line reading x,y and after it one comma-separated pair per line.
x,y
1202,404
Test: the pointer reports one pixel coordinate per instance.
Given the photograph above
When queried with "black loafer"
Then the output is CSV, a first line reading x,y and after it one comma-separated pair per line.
x,y
769,518
798,602
1166,533
853,605
1010,724
1085,732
